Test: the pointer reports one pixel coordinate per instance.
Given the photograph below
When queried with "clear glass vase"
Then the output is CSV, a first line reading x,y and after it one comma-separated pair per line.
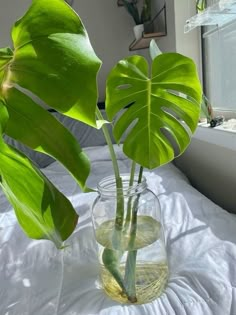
x,y
129,233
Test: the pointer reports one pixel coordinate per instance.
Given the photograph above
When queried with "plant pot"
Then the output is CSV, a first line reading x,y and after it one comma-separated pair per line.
x,y
138,31
131,248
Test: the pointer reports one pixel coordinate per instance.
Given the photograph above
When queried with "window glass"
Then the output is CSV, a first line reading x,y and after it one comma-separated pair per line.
x,y
219,65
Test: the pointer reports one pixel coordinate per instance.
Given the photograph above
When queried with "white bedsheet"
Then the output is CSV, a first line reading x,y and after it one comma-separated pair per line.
x,y
37,279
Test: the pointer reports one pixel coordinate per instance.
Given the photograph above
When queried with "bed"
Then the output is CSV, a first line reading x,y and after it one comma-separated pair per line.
x,y
38,279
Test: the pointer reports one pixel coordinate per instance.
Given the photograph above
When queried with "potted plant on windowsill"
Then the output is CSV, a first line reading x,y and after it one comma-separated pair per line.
x,y
54,60
141,16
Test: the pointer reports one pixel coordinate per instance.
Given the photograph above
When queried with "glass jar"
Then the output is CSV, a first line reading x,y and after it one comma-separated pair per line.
x,y
129,233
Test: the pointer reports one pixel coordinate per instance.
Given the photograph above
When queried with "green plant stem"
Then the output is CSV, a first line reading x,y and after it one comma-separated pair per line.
x,y
120,199
111,258
110,146
132,173
130,267
131,181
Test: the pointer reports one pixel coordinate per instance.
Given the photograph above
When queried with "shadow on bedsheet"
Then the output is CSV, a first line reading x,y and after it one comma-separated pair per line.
x,y
188,232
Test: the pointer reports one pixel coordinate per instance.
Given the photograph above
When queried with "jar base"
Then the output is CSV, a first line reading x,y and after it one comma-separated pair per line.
x,y
151,281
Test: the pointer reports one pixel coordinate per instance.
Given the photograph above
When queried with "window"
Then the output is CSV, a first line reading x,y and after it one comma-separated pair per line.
x,y
219,66
218,30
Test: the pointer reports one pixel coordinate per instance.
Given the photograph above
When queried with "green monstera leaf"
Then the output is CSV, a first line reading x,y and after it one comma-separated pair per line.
x,y
52,61
163,107
41,209
53,58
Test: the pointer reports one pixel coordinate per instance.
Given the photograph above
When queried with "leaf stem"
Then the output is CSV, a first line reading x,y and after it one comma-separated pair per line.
x,y
110,146
131,181
120,198
130,267
110,258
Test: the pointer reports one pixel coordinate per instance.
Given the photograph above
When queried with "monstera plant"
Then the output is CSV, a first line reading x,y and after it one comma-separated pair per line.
x,y
52,60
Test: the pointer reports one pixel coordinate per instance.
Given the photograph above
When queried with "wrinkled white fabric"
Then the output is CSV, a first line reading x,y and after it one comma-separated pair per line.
x,y
37,279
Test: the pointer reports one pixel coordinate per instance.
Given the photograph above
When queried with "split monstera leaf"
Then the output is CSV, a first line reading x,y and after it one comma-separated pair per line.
x,y
155,106
52,60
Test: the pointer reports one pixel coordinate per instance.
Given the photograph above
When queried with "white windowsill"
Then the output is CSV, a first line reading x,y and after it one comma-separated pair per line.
x,y
224,138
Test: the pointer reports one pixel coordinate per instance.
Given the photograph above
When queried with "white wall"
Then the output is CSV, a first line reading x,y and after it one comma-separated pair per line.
x,y
188,44
110,29
10,11
168,43
211,166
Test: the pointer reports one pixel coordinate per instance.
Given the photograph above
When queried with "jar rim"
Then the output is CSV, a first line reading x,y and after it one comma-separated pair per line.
x,y
107,185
